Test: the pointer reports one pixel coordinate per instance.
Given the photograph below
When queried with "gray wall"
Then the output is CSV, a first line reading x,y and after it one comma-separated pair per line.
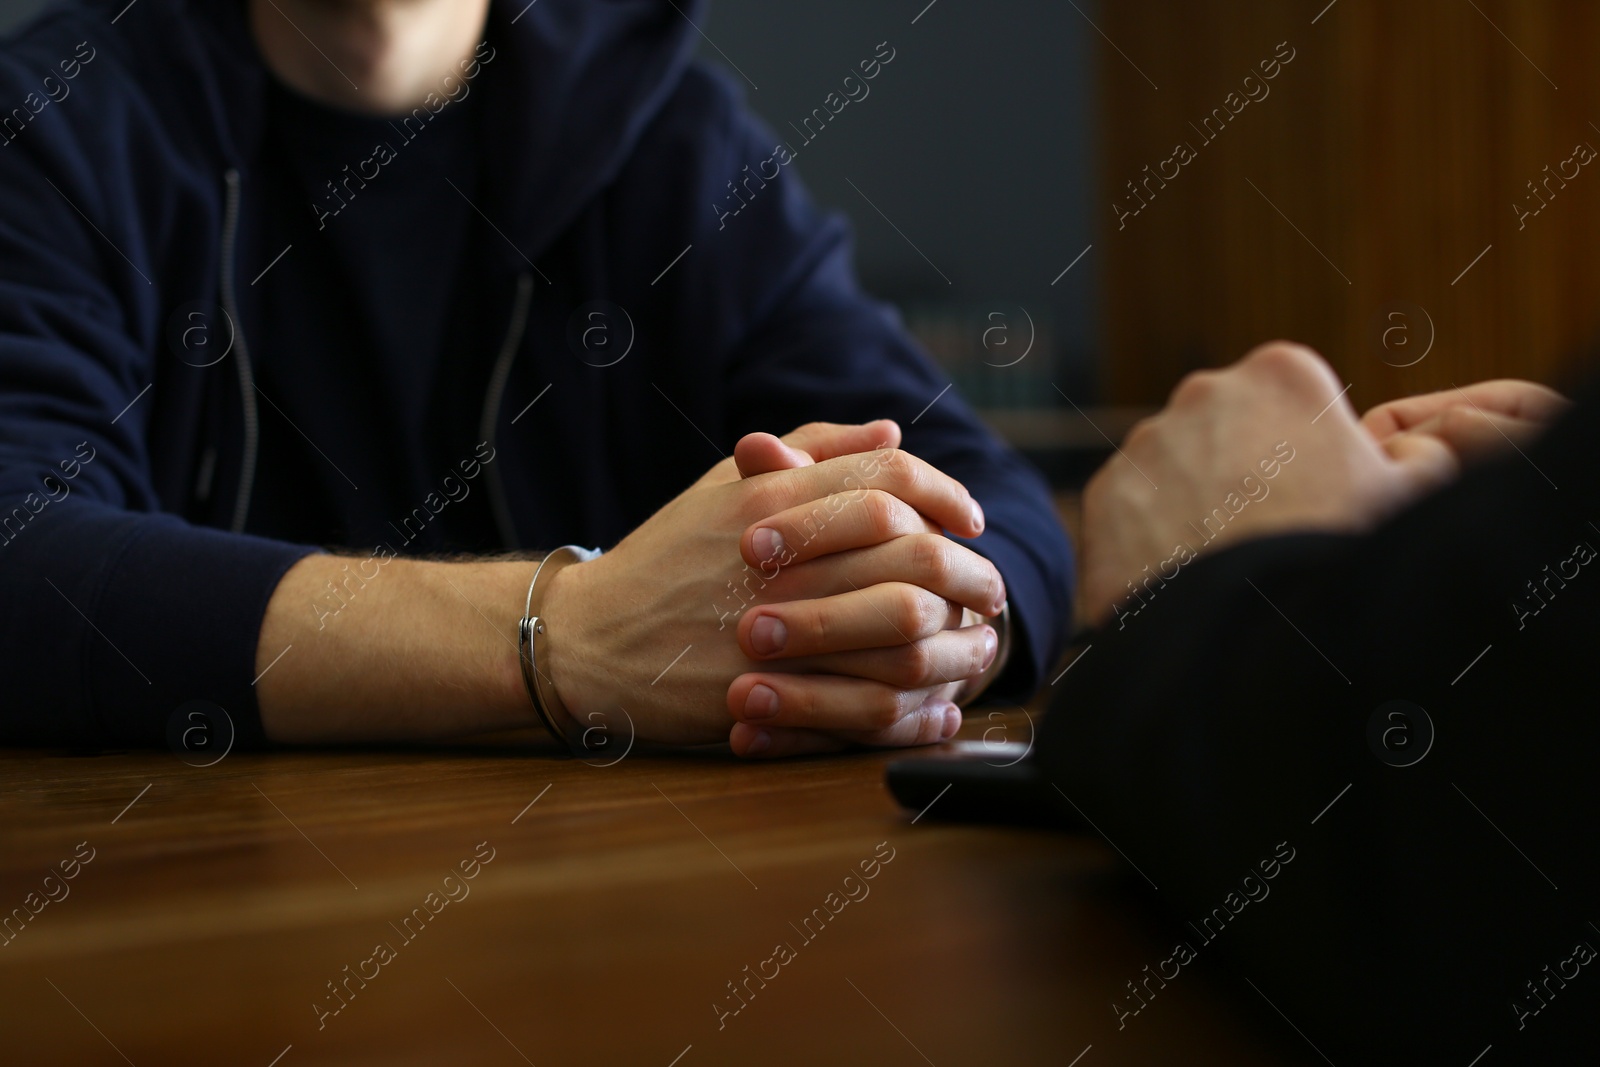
x,y
14,11
976,142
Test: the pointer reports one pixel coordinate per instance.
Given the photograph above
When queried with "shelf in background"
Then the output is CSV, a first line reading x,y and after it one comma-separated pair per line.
x,y
1065,444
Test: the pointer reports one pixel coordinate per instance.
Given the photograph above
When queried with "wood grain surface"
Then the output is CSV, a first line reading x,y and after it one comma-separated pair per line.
x,y
618,905
1379,170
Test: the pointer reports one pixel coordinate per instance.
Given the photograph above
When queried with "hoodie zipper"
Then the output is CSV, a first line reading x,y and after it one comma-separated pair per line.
x,y
230,305
493,397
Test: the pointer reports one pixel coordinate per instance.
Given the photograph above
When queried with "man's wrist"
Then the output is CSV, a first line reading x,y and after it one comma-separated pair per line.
x,y
546,615
493,591
418,649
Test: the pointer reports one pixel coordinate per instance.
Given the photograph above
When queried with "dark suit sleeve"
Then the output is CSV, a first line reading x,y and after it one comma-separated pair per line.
x,y
1264,703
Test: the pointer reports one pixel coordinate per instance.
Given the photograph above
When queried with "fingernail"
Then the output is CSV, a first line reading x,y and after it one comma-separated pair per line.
x,y
761,703
952,721
760,741
977,516
767,542
768,635
991,645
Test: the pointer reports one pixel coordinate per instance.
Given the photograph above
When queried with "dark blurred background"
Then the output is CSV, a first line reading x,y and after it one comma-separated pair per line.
x,y
14,11
976,147
1374,198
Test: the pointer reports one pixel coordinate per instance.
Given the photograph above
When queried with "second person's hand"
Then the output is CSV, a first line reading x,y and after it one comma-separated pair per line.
x,y
1477,421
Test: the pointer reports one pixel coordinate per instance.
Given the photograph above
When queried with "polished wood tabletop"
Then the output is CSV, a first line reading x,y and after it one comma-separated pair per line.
x,y
490,903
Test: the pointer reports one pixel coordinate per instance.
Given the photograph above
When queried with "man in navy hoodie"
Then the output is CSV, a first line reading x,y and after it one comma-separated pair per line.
x,y
432,283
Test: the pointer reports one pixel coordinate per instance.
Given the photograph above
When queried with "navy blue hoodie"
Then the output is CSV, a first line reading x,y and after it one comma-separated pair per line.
x,y
140,538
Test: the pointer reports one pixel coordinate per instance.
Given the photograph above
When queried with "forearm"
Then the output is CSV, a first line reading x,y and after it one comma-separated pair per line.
x,y
354,650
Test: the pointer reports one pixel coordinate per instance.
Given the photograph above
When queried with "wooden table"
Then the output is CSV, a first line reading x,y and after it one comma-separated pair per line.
x,y
619,903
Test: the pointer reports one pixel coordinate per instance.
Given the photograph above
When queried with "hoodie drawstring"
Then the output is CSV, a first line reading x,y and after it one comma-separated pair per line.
x,y
230,307
493,397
